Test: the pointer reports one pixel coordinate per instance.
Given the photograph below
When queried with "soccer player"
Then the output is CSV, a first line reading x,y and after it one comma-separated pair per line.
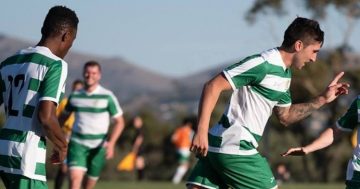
x,y
182,140
90,144
347,123
67,127
138,147
260,84
32,83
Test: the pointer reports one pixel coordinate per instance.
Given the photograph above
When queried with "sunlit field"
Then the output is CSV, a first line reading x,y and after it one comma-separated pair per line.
x,y
168,185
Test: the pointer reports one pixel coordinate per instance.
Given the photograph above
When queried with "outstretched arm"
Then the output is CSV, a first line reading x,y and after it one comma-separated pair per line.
x,y
325,139
296,112
210,94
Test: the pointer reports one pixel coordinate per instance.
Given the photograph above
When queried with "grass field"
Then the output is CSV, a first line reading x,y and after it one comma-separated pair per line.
x,y
168,185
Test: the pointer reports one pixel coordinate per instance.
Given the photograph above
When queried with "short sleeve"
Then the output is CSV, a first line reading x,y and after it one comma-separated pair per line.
x,y
249,71
285,100
53,85
349,121
114,107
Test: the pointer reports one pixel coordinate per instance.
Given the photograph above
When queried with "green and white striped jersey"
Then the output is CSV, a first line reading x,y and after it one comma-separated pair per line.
x,y
30,76
351,121
259,83
92,115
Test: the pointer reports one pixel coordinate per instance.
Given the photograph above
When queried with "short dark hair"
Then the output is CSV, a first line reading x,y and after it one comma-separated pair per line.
x,y
58,19
92,63
77,82
192,120
306,30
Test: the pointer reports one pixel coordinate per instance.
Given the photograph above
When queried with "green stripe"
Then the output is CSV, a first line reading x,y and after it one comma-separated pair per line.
x,y
90,110
224,121
28,111
34,84
257,73
13,135
269,93
40,169
245,145
112,106
10,161
350,119
257,137
24,58
214,141
89,136
93,96
42,143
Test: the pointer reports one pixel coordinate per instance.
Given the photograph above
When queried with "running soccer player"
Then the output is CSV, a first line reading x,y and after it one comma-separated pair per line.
x,y
90,145
32,83
260,84
349,122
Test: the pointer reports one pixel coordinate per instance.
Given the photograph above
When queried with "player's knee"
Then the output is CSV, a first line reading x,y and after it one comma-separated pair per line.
x,y
191,186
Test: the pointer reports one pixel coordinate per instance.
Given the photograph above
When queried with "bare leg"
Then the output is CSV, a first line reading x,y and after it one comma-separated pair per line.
x,y
90,183
76,177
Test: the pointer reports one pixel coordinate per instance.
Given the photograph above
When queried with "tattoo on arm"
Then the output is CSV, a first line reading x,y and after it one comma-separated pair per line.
x,y
295,112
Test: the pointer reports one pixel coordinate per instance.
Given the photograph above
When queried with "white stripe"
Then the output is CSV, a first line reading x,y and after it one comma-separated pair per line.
x,y
93,143
245,66
232,151
276,83
89,103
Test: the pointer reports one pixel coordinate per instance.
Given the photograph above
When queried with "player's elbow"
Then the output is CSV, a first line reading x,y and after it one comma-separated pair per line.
x,y
285,122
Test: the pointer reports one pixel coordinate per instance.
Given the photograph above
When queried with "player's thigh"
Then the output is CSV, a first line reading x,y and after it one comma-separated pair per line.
x,y
96,162
204,176
248,172
21,182
77,155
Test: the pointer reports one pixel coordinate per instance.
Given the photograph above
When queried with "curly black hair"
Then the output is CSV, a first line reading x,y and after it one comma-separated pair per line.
x,y
57,20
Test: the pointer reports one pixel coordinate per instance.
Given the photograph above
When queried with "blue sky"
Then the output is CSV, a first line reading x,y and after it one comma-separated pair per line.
x,y
174,38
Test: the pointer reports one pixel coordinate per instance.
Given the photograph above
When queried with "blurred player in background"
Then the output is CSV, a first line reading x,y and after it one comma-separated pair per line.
x,y
32,83
182,140
90,143
67,127
138,147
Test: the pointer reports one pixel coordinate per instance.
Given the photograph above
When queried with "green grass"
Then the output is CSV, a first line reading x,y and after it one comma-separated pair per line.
x,y
168,185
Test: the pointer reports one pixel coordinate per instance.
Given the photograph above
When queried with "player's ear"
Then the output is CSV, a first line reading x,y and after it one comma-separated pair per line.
x,y
298,45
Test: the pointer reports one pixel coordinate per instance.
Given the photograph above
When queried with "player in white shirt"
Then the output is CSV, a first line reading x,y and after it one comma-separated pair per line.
x,y
90,143
260,84
32,84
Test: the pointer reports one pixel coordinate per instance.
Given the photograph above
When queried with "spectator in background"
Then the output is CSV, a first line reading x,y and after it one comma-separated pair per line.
x,y
182,140
138,147
66,127
282,173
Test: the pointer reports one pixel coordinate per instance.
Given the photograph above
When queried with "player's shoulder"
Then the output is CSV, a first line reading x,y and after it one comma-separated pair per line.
x,y
104,91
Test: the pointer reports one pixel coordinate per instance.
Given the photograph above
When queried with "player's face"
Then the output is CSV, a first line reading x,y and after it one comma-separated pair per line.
x,y
92,75
306,54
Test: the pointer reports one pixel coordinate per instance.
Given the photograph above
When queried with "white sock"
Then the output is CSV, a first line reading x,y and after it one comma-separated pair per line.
x,y
180,172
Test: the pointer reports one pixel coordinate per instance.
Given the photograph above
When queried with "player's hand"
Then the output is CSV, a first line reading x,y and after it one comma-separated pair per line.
x,y
335,89
299,151
200,144
57,157
109,150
